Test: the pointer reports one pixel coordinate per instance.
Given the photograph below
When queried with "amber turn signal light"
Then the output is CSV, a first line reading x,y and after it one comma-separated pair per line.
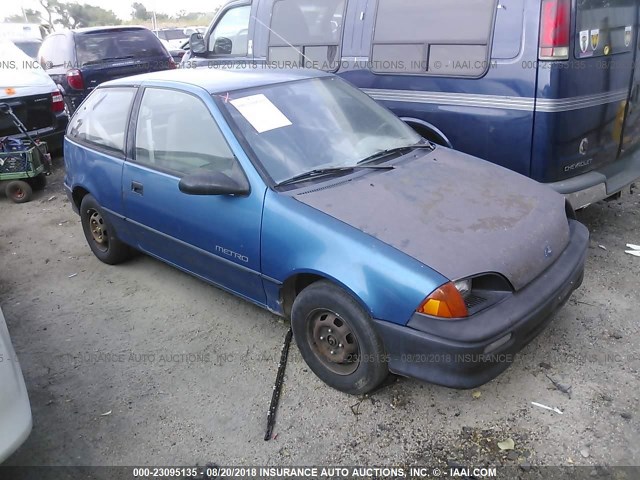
x,y
444,302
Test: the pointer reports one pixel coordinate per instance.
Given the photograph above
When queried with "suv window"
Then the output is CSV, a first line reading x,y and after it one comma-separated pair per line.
x,y
231,34
173,34
175,132
306,32
102,118
99,46
432,36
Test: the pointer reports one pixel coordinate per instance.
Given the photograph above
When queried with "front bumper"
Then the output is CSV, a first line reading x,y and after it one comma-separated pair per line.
x,y
591,187
467,353
15,411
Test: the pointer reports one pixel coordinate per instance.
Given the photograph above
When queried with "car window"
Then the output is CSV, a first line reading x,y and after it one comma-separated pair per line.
x,y
306,33
102,118
176,132
604,27
96,47
230,36
433,37
30,47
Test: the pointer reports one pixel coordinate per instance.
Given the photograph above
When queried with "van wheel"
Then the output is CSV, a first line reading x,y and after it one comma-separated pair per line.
x,y
100,235
19,191
337,339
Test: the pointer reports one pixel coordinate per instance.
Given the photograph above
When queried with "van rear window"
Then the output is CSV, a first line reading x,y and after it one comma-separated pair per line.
x,y
107,45
604,27
306,33
433,37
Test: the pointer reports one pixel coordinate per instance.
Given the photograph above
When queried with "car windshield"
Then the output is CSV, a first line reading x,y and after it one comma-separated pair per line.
x,y
108,45
313,124
175,34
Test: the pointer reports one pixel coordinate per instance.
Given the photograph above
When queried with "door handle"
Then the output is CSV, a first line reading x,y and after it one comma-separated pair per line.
x,y
136,187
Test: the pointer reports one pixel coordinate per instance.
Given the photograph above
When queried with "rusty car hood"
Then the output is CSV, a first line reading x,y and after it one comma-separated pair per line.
x,y
455,213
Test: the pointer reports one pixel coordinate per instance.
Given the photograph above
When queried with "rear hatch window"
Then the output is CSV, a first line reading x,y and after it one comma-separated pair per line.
x,y
175,34
604,27
107,46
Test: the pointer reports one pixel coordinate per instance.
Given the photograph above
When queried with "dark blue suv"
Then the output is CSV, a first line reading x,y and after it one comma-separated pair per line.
x,y
82,59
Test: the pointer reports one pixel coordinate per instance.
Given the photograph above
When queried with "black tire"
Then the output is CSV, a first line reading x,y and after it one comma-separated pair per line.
x,y
19,191
38,182
343,348
101,237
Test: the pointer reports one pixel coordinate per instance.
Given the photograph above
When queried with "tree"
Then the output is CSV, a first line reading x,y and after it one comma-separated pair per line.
x,y
74,15
29,16
140,12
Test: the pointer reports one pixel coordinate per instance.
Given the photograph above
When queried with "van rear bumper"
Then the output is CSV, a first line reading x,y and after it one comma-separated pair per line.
x,y
599,184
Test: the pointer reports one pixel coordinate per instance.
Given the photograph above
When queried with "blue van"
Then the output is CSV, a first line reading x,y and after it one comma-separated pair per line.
x,y
548,88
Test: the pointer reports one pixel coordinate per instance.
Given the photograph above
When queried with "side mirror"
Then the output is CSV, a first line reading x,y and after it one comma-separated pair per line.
x,y
223,46
196,44
212,183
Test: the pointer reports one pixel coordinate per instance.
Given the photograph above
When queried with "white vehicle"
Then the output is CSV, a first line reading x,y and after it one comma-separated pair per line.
x,y
14,31
32,95
15,410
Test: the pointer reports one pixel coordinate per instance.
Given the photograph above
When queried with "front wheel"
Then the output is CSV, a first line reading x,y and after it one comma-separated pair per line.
x,y
19,191
337,339
100,236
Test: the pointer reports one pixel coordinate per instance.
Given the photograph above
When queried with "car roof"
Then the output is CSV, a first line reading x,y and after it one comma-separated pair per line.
x,y
108,28
220,80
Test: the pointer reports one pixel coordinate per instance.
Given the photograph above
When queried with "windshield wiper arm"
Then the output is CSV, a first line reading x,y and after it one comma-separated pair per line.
x,y
390,151
321,172
95,62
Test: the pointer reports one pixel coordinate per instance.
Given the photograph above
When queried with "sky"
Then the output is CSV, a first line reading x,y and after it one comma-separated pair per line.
x,y
122,8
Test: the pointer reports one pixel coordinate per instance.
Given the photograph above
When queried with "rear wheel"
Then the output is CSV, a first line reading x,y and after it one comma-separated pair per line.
x,y
337,339
100,236
19,191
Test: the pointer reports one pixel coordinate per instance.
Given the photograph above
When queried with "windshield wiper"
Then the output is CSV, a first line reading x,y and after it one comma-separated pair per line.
x,y
321,172
390,151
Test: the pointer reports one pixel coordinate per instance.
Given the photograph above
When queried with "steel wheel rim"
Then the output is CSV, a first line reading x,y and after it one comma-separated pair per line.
x,y
333,341
98,230
19,193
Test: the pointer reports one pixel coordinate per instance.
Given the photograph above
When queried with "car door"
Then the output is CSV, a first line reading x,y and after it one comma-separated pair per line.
x,y
228,39
216,238
631,132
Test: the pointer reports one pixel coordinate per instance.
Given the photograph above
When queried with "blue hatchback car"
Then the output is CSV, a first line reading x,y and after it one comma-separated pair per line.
x,y
299,193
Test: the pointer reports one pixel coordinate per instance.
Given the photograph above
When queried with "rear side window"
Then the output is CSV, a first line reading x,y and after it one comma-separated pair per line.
x,y
102,118
96,47
55,52
433,37
604,27
306,33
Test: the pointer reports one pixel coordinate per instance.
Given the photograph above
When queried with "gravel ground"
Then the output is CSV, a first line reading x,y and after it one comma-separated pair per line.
x,y
142,364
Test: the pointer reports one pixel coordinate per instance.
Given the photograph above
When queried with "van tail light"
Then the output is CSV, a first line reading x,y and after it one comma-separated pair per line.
x,y
75,80
555,23
57,102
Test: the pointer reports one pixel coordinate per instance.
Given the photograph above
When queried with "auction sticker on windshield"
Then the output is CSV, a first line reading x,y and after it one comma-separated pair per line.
x,y
261,113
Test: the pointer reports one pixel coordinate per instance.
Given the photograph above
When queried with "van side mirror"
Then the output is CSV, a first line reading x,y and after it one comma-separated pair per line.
x,y
212,183
196,44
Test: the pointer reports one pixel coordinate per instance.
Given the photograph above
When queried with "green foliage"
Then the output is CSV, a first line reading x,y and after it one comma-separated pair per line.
x,y
32,16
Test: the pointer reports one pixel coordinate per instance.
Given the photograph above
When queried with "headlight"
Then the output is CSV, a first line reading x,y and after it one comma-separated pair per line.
x,y
464,287
466,297
444,302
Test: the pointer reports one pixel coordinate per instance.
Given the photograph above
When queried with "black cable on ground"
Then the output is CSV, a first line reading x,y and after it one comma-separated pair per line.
x,y
277,388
